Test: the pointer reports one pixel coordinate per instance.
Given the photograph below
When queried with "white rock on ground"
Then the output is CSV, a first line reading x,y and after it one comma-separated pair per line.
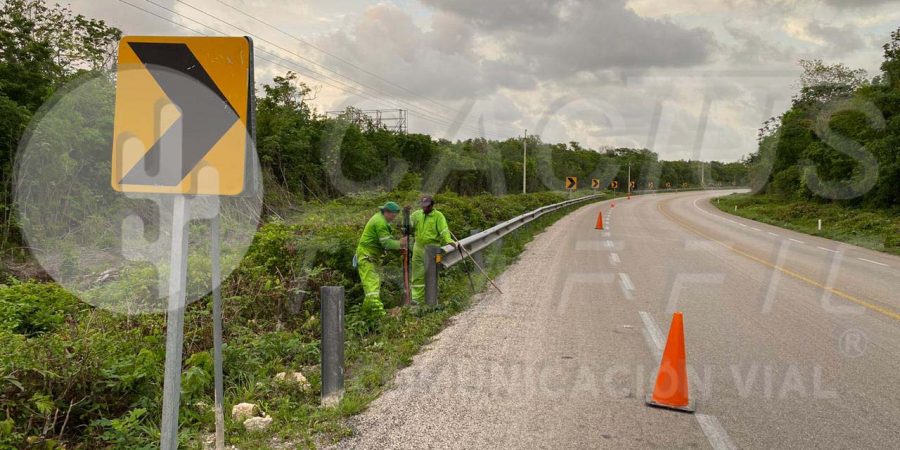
x,y
293,377
243,411
257,423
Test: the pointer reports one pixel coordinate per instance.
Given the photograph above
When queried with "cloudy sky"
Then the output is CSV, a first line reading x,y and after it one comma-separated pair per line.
x,y
687,78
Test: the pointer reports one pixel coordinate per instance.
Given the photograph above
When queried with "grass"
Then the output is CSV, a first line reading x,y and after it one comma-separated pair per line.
x,y
75,376
374,359
869,228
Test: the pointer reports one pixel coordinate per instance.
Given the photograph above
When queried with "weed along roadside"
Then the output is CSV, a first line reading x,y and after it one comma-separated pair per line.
x,y
109,365
375,354
873,228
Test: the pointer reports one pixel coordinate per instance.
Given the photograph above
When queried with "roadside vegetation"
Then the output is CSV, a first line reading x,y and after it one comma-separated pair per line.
x,y
75,374
877,229
834,155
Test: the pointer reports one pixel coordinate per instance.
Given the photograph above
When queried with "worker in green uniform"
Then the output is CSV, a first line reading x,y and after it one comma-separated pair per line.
x,y
429,228
376,239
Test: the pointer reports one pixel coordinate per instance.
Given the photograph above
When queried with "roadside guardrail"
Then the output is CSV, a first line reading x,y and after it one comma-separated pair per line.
x,y
437,258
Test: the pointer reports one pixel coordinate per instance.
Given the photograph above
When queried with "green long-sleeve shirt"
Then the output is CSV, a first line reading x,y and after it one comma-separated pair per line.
x,y
376,237
430,229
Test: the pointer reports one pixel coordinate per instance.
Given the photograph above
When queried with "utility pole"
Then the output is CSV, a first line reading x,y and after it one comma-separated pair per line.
x,y
629,178
702,175
524,161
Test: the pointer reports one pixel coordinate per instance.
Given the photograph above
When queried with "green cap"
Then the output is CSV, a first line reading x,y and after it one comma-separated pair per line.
x,y
391,206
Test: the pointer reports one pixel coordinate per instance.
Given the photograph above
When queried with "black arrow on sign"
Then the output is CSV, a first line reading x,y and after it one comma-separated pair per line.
x,y
205,114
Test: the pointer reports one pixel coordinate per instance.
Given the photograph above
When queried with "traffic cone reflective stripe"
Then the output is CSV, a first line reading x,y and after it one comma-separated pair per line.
x,y
599,221
671,388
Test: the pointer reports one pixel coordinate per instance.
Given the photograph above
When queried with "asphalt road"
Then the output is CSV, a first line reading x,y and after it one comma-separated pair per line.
x,y
792,341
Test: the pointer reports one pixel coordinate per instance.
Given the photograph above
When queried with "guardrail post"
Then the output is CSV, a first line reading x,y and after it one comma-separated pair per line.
x,y
332,344
478,256
431,274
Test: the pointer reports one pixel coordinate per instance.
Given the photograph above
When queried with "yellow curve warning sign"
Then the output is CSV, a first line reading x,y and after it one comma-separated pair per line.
x,y
183,115
572,183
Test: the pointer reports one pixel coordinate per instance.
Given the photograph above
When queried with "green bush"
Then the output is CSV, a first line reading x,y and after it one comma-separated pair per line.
x,y
31,309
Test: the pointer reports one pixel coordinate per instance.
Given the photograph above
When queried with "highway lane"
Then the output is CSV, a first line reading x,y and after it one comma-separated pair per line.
x,y
789,344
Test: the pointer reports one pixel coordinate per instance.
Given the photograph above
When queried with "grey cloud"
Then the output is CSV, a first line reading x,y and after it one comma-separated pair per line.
x,y
472,48
857,3
439,62
503,14
839,40
450,34
557,38
139,18
608,36
752,49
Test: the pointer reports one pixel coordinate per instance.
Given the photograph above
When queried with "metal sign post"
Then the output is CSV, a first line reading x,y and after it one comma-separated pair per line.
x,y
217,330
175,324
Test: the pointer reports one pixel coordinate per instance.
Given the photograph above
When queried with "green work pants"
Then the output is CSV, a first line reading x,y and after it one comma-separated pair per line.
x,y
370,275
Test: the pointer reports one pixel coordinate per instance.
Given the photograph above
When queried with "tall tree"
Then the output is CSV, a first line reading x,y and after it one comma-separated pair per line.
x,y
41,47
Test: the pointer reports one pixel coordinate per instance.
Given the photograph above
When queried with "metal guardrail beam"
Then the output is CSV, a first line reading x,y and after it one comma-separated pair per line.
x,y
690,189
477,242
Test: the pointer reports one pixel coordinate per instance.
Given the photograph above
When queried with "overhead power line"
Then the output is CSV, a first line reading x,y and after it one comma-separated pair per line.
x,y
332,55
421,110
421,113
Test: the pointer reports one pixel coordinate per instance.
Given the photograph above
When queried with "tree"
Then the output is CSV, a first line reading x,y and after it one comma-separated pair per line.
x,y
890,68
840,140
821,82
41,48
287,137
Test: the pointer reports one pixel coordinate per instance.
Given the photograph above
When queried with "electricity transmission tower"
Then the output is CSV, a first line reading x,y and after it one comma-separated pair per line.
x,y
388,119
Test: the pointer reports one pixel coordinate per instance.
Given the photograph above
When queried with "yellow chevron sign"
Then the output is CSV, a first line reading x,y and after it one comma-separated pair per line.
x,y
571,183
595,183
183,107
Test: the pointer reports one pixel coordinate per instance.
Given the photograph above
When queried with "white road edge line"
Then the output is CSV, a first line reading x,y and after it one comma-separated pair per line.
x,y
653,333
614,258
626,285
773,234
873,262
796,240
714,432
626,281
828,249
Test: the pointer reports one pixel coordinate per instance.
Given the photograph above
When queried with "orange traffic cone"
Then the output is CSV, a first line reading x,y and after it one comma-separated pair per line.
x,y
599,221
671,390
